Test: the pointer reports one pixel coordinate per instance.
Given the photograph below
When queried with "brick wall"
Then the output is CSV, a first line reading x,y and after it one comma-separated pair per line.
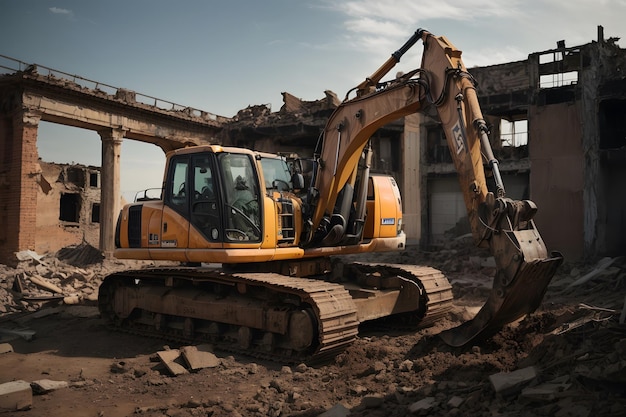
x,y
18,199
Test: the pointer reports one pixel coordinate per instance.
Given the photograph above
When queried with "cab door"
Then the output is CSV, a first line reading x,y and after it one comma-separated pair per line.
x,y
205,208
174,221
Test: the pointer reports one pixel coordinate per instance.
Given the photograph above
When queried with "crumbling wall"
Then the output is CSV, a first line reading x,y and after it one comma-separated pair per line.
x,y
604,141
557,179
66,199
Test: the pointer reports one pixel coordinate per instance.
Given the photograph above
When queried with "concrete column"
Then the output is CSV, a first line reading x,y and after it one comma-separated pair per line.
x,y
18,183
110,195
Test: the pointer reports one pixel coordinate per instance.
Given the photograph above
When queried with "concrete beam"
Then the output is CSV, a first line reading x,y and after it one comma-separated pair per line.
x,y
146,129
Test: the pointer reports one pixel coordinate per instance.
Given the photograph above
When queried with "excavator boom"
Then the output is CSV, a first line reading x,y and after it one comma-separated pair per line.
x,y
505,226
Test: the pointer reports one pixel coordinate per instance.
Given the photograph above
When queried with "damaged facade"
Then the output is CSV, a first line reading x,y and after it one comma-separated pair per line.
x,y
68,206
573,102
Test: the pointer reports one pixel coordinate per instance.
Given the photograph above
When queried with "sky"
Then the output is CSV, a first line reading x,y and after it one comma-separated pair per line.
x,y
222,56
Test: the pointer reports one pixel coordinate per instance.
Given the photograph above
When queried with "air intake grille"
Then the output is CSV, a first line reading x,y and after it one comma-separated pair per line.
x,y
134,226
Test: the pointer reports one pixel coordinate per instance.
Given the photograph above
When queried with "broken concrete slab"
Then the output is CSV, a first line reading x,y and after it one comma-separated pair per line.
x,y
44,386
172,361
199,357
16,395
506,383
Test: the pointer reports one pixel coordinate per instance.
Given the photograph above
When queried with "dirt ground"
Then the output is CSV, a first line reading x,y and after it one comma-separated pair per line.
x,y
573,348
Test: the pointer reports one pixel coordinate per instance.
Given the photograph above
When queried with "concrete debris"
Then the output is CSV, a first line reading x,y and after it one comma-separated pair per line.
x,y
172,361
506,383
40,280
199,357
28,255
188,358
43,283
44,386
15,396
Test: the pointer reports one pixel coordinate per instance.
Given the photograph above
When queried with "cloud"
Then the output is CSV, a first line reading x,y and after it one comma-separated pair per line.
x,y
377,15
487,31
60,11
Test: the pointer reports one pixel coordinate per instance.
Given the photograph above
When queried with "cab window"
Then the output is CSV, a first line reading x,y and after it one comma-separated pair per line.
x,y
176,193
242,198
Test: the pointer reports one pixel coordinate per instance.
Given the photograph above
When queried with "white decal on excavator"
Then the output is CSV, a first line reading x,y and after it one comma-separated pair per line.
x,y
459,138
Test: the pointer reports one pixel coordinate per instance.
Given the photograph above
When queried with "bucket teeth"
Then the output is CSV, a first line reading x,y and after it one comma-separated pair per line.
x,y
508,301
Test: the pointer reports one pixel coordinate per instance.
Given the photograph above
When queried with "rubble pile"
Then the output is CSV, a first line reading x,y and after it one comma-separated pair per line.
x,y
568,359
72,276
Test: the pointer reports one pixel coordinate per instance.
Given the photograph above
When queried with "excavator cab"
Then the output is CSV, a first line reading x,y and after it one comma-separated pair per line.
x,y
214,199
218,193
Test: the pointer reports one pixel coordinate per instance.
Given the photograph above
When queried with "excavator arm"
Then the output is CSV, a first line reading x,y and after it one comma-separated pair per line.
x,y
505,226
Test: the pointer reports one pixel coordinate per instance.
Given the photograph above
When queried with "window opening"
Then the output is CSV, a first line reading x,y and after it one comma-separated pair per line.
x,y
514,133
95,212
69,210
93,179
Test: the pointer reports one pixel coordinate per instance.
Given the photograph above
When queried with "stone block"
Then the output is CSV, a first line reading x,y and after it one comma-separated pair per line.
x,y
16,395
171,359
197,358
44,386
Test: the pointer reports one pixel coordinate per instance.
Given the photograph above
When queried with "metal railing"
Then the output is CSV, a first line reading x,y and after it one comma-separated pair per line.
x,y
15,65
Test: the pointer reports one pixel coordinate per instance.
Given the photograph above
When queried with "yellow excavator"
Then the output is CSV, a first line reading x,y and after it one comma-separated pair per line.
x,y
259,271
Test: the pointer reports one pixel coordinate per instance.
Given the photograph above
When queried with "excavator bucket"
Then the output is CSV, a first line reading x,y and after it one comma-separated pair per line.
x,y
518,288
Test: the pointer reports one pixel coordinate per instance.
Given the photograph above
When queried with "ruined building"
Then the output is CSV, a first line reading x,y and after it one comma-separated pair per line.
x,y
559,125
68,206
31,94
557,121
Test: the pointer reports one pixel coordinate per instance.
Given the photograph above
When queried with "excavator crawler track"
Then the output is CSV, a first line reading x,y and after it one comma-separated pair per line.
x,y
264,315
